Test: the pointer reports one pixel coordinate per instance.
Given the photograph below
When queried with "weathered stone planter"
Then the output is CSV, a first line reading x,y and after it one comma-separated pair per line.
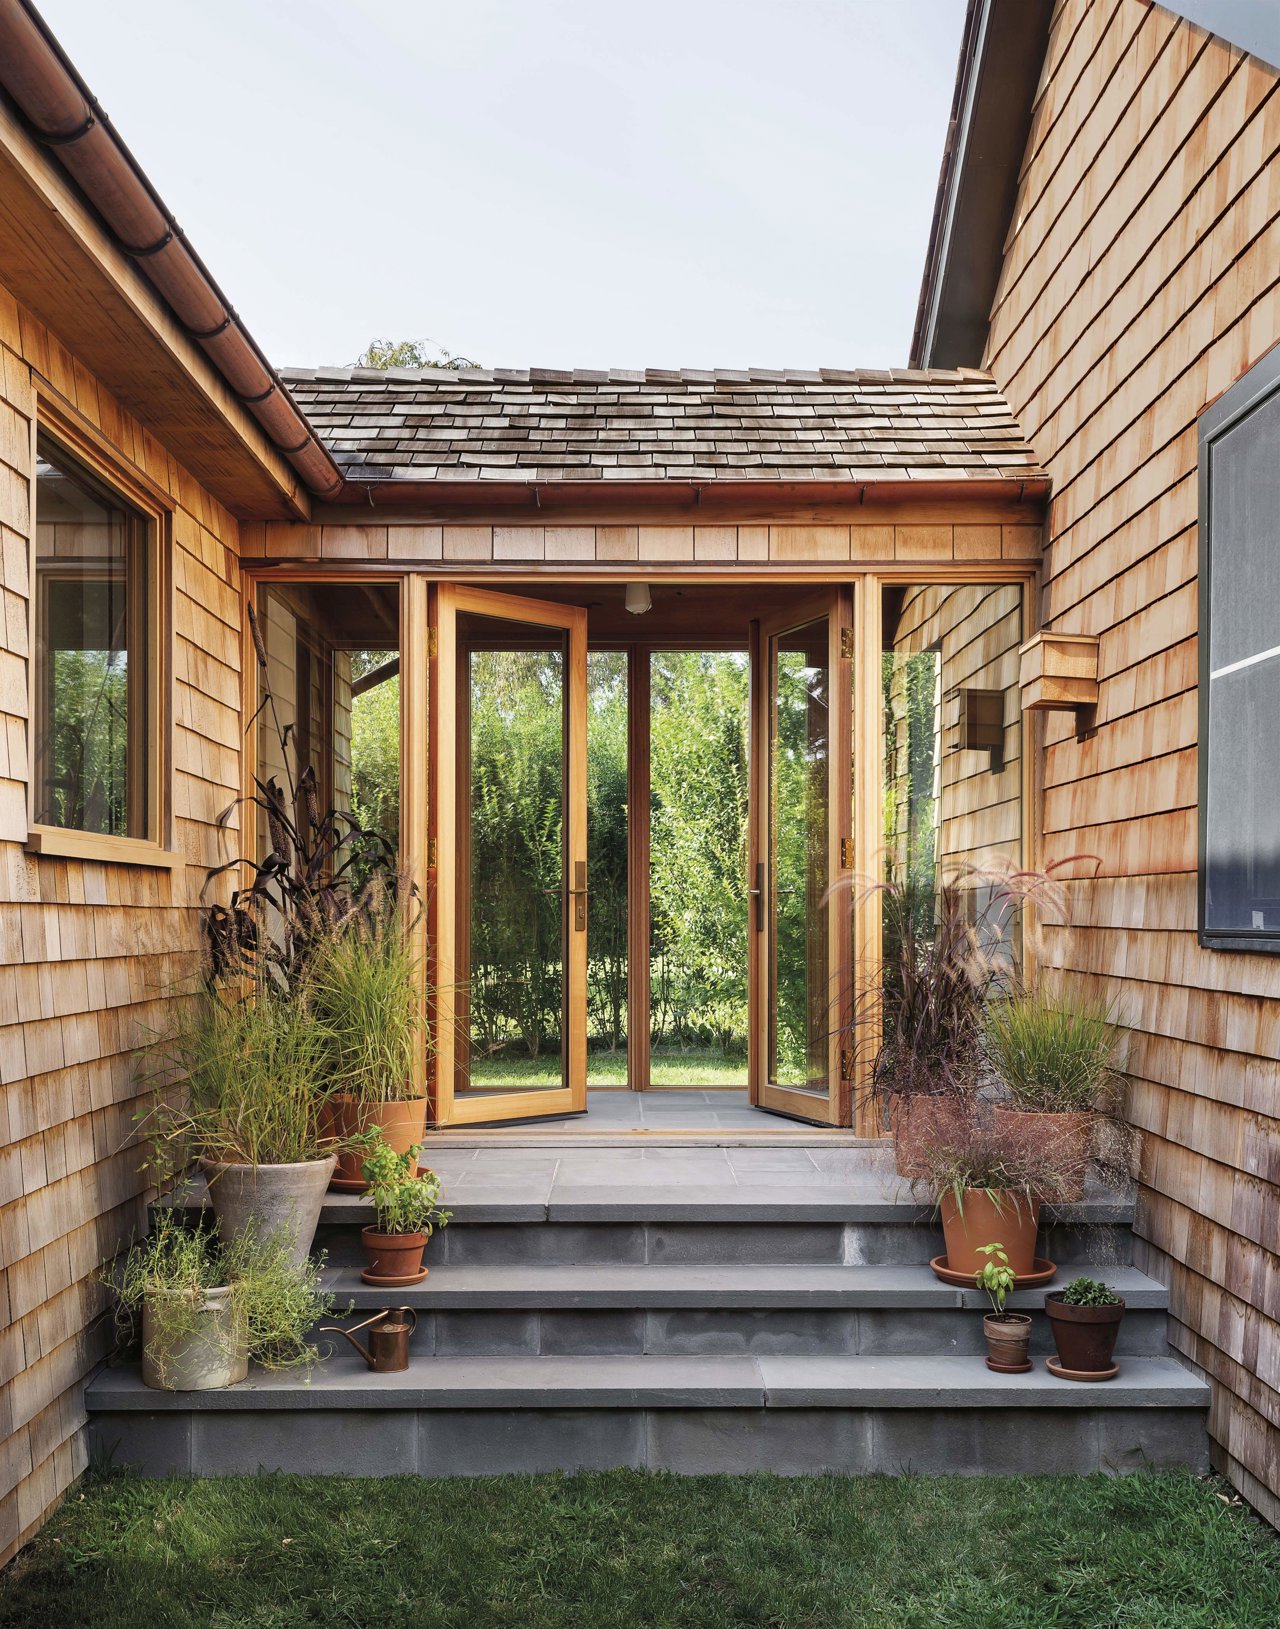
x,y
274,1198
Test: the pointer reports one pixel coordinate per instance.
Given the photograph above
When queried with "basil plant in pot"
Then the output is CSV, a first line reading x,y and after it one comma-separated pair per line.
x,y
1008,1334
245,1081
366,991
406,1203
204,1307
1054,1052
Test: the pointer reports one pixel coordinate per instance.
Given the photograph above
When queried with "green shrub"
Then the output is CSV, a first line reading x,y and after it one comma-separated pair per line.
x,y
365,991
1055,1051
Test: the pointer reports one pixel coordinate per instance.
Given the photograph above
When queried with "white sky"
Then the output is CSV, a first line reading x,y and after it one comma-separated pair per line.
x,y
561,183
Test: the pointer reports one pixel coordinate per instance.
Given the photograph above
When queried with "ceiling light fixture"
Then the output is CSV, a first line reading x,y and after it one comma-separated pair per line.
x,y
638,600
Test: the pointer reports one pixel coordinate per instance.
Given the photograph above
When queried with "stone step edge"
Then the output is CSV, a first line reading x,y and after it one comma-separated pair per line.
x,y
843,1382
782,1207
763,1286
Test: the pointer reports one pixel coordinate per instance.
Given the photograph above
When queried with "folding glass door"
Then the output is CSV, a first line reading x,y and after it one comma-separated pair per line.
x,y
507,856
801,860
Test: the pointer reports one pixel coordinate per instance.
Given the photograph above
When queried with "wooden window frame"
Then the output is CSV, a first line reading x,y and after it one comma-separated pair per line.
x,y
149,769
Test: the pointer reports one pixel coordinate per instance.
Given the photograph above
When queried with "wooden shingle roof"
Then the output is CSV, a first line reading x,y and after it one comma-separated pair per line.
x,y
545,425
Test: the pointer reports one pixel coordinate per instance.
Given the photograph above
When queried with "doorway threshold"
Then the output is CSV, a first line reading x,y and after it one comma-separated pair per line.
x,y
670,1118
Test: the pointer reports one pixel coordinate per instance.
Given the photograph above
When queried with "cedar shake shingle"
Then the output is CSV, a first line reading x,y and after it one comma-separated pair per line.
x,y
542,424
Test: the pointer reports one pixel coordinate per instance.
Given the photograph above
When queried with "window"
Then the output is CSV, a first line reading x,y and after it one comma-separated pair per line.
x,y
1239,862
94,733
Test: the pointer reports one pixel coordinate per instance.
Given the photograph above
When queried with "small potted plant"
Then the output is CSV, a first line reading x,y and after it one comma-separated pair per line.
x,y
1008,1333
406,1202
988,1183
1085,1319
205,1307
365,989
1055,1054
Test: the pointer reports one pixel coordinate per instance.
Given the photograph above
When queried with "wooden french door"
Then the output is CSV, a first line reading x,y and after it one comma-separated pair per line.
x,y
507,856
800,861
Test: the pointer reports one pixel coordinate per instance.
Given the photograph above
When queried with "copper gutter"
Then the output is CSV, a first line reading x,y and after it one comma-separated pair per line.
x,y
62,115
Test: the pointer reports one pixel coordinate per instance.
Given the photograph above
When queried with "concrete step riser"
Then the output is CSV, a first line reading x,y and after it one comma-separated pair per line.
x,y
786,1441
728,1331
481,1244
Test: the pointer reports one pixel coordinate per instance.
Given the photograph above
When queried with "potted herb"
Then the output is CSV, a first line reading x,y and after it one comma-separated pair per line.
x,y
365,989
1085,1319
406,1202
205,1307
249,1072
1055,1053
986,1183
1008,1333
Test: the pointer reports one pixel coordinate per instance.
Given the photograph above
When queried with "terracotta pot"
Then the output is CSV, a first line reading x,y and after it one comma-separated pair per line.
x,y
1085,1336
401,1123
393,1255
215,1354
919,1123
1008,1341
1066,1138
987,1218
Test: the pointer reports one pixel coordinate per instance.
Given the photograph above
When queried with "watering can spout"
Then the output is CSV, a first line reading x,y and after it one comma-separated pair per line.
x,y
389,1332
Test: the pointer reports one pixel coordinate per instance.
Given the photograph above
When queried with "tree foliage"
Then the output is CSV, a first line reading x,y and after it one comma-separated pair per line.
x,y
410,353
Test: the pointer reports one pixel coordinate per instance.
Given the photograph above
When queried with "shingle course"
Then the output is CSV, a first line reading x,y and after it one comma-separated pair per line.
x,y
546,424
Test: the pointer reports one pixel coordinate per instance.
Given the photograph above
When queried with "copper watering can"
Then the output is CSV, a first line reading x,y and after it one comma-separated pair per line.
x,y
388,1348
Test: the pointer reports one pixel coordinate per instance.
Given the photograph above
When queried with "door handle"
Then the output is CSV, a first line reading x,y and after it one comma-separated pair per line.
x,y
578,894
757,893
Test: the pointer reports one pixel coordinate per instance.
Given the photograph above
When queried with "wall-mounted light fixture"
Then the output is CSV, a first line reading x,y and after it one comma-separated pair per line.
x,y
1059,673
638,600
981,721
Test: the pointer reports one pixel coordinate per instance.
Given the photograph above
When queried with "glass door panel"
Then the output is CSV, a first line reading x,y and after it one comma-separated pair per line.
x,y
508,906
801,861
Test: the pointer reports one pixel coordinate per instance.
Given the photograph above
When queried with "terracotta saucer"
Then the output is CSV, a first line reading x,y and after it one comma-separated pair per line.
x,y
1054,1367
341,1184
396,1281
1010,1368
1042,1274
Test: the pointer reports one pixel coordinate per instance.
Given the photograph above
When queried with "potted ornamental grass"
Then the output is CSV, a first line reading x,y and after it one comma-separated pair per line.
x,y
406,1204
925,1070
366,991
245,1084
204,1306
987,1184
1085,1319
1055,1053
1008,1334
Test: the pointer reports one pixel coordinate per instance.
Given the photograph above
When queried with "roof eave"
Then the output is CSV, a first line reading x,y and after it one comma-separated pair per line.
x,y
1001,56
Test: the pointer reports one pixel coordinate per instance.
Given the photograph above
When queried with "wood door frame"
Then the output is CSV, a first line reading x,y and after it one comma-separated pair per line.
x,y
835,606
446,897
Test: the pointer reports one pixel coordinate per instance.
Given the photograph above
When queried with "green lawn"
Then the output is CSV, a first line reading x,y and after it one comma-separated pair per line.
x,y
695,1066
627,1550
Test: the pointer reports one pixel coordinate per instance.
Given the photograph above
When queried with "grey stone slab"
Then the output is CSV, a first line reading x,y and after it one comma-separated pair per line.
x,y
498,1442
495,1333
697,1442
985,1442
690,1201
559,1241
879,1244
916,1331
355,1442
932,1381
730,1242
153,1444
565,1333
753,1331
1138,1290
1153,1439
